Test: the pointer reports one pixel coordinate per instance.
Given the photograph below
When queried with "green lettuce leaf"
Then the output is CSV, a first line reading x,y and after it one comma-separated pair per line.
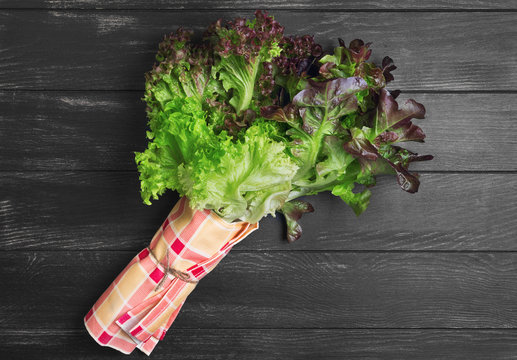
x,y
242,48
242,179
252,172
321,105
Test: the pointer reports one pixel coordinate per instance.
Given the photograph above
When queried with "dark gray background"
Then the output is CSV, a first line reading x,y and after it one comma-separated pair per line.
x,y
428,276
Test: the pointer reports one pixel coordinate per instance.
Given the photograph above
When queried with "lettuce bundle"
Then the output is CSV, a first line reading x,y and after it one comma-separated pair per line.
x,y
247,120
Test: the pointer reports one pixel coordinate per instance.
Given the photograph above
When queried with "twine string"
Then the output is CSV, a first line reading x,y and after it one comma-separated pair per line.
x,y
182,275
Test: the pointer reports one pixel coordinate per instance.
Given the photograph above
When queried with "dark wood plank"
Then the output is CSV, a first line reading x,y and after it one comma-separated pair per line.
x,y
275,344
280,290
102,211
71,130
100,130
112,50
263,4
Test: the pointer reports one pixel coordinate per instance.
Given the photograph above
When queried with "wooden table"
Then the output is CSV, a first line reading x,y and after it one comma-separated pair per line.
x,y
429,276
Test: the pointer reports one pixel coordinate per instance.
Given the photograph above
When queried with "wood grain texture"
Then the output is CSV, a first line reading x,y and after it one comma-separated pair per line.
x,y
100,130
71,130
280,290
103,210
456,5
258,344
424,276
112,50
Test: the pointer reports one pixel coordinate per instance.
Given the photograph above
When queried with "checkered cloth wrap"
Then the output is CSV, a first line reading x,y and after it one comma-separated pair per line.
x,y
134,311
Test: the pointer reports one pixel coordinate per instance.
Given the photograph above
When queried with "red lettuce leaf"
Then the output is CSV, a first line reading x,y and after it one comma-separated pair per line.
x,y
387,67
293,211
323,103
353,61
389,117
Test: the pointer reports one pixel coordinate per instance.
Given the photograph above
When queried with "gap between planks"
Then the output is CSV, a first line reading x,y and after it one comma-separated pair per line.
x,y
269,9
451,92
280,251
495,172
187,329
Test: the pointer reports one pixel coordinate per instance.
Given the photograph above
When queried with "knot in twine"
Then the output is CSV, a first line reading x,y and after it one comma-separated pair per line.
x,y
182,275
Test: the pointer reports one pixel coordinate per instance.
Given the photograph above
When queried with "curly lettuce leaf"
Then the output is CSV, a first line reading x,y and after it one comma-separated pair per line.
x,y
243,47
252,172
298,61
242,179
183,69
174,134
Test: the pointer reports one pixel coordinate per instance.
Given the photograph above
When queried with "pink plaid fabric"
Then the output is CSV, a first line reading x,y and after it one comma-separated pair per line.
x,y
138,308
